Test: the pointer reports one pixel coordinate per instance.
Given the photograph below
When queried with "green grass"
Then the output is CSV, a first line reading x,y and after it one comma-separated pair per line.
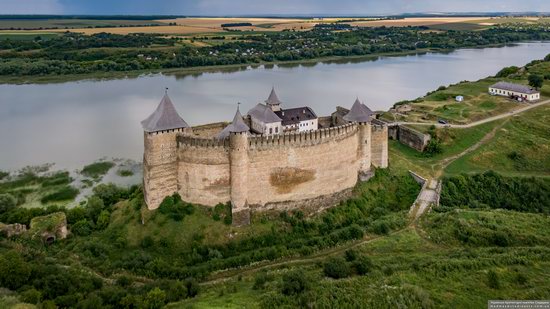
x,y
520,147
454,142
66,193
97,169
124,173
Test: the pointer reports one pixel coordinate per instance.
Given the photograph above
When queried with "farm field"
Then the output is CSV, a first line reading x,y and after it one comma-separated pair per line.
x,y
207,25
35,24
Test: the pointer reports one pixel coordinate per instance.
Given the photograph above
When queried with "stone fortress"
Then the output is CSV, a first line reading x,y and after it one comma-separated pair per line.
x,y
273,158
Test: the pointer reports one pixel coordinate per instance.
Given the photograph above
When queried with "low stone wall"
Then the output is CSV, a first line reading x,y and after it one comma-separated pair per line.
x,y
408,136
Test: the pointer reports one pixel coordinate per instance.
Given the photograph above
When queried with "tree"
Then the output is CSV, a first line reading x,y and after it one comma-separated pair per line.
x,y
536,80
155,299
294,282
103,220
7,202
507,71
14,271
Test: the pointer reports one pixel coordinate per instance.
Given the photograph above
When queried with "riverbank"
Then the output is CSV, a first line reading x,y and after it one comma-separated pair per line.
x,y
48,79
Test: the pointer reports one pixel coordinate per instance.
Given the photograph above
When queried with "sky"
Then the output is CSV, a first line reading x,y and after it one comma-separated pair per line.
x,y
266,7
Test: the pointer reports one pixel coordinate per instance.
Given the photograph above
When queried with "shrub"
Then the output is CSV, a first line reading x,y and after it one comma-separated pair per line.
x,y
493,280
103,220
363,265
433,147
381,227
505,72
63,194
31,296
7,202
82,228
351,255
294,282
521,279
147,242
336,268
175,208
192,287
14,271
260,280
3,175
155,299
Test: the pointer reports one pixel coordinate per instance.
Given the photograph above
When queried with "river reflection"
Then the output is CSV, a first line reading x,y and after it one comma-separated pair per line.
x,y
75,123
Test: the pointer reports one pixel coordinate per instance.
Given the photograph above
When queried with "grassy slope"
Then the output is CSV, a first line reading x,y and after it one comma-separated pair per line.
x,y
526,134
454,142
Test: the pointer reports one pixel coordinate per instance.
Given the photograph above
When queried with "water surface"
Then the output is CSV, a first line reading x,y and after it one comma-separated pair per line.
x,y
75,123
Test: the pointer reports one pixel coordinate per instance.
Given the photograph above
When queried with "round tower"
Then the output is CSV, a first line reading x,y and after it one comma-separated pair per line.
x,y
238,142
160,132
361,114
238,131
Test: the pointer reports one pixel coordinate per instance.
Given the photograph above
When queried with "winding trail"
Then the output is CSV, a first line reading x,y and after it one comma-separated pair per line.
x,y
479,122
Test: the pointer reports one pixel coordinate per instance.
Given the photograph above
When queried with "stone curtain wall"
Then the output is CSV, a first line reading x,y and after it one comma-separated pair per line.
x,y
203,170
261,172
300,167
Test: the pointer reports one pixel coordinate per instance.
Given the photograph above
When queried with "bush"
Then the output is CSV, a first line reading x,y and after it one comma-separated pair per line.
x,y
351,255
381,227
7,202
64,194
337,268
260,280
155,299
175,208
82,228
363,265
294,282
31,296
192,287
493,280
505,72
14,271
434,147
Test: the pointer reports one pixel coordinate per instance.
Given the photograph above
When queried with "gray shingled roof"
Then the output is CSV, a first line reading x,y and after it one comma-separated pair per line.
x,y
263,113
165,117
273,99
295,115
236,126
514,87
359,112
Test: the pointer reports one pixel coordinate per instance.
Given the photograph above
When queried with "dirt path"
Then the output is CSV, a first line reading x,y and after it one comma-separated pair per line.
x,y
447,161
476,123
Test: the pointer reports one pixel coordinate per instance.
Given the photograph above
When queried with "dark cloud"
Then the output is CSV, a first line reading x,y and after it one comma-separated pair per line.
x,y
258,7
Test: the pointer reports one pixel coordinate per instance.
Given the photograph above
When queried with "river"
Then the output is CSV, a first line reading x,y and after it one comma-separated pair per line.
x,y
75,123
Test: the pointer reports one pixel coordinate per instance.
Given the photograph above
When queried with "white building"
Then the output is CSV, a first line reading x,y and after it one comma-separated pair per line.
x,y
264,121
515,91
270,118
299,119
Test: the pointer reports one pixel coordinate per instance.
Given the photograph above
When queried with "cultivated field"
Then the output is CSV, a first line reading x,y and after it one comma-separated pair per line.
x,y
205,25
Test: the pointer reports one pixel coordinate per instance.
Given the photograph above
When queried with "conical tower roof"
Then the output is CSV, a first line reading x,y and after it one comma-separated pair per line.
x,y
165,117
273,99
236,126
359,112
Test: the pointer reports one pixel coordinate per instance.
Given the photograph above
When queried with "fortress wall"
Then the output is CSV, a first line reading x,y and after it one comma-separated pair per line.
x,y
203,170
379,145
302,166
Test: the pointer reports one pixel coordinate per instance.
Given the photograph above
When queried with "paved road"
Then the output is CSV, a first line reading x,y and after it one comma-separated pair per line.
x,y
476,123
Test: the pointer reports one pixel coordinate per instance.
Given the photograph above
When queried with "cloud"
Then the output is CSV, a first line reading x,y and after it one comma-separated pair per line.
x,y
31,7
266,7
